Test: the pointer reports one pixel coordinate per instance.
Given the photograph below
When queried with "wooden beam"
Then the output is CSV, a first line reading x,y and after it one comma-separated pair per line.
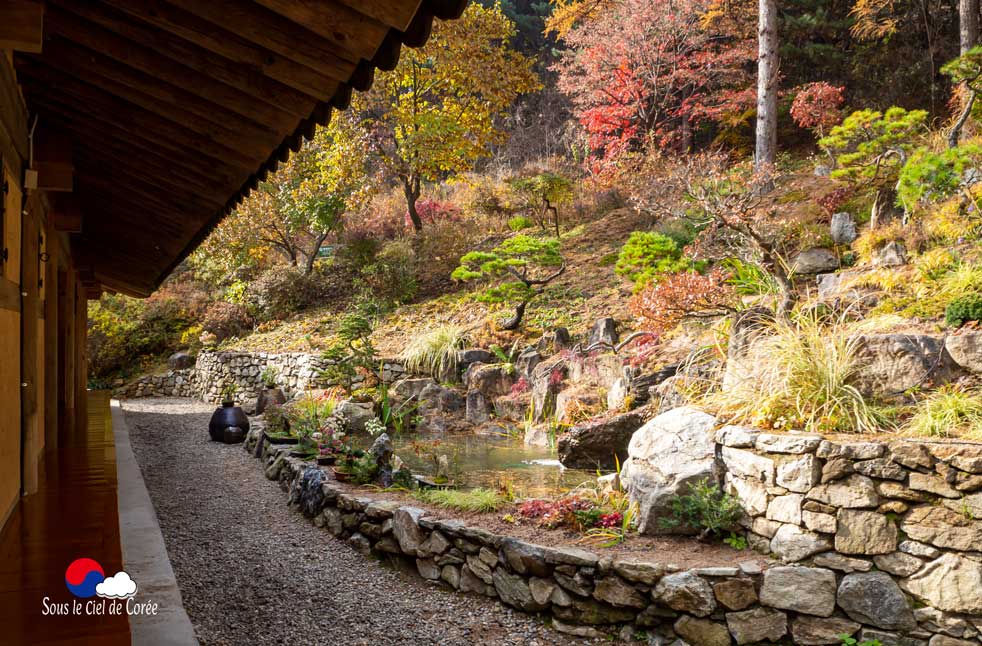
x,y
108,72
109,44
164,45
22,25
65,214
280,25
394,13
53,159
133,104
155,131
314,73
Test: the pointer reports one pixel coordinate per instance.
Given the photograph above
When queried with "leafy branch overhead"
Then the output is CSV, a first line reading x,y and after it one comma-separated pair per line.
x,y
519,268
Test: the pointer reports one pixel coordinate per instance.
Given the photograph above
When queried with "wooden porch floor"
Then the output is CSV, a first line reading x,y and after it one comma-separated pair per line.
x,y
74,514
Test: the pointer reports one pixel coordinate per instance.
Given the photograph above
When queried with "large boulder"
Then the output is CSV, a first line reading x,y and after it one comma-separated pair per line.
x,y
965,349
951,583
599,444
180,360
435,398
843,228
666,457
470,356
356,414
491,380
604,331
815,261
890,364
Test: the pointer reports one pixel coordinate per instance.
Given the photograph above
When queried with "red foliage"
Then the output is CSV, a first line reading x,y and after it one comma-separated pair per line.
x,y
818,106
555,513
613,519
645,69
833,200
661,306
433,211
519,387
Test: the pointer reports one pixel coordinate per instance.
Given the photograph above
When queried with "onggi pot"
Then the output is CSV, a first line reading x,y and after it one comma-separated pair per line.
x,y
228,414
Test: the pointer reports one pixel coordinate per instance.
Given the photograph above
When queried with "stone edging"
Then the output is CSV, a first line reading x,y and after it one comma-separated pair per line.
x,y
580,590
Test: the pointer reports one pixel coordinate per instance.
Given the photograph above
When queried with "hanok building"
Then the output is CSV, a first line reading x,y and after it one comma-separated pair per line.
x,y
128,129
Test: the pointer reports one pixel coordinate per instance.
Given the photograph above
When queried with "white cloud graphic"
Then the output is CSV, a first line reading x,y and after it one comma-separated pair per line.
x,y
118,586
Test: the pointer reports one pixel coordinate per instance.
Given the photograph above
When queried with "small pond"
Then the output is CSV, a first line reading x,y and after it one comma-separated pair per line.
x,y
492,460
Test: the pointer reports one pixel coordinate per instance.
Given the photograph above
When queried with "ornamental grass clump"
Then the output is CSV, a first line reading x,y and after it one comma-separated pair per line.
x,y
435,352
804,377
950,411
479,500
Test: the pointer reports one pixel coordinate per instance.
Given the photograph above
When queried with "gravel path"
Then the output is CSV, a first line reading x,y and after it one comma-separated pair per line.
x,y
253,572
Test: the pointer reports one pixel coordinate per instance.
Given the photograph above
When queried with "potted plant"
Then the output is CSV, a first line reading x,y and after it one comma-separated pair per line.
x,y
269,393
331,441
347,459
228,423
278,425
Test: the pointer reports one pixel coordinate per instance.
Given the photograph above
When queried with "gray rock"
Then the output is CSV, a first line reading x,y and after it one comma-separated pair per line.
x,y
514,591
836,469
451,575
842,563
666,457
641,572
787,443
541,589
815,261
477,410
843,228
898,563
856,491
491,380
615,591
747,464
816,631
588,611
525,558
599,444
735,593
890,364
526,362
970,505
471,583
468,356
405,528
686,592
786,509
410,387
360,543
355,414
932,484
807,590
942,527
944,640
701,632
965,349
918,549
588,632
792,543
851,450
604,331
819,522
756,625
912,455
889,638
892,254
435,398
180,361
554,340
864,532
739,437
751,494
428,569
901,492
873,598
951,582
800,474
880,468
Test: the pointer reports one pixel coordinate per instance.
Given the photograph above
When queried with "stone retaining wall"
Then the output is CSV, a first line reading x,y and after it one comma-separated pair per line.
x,y
919,584
296,372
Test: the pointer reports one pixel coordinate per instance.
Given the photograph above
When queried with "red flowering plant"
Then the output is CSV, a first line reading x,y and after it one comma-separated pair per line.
x,y
433,211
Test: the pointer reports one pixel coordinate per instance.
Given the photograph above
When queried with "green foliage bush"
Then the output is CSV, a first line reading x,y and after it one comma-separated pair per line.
x,y
390,279
520,222
963,309
928,175
705,507
648,255
870,146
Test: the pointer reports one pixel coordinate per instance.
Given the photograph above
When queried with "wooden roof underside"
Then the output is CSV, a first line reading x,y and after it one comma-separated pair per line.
x,y
176,109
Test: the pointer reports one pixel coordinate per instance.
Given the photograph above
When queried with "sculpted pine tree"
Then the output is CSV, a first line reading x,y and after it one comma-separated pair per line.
x,y
519,268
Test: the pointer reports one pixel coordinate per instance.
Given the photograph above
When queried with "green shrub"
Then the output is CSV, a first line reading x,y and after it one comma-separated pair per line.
x,y
390,279
705,507
935,176
520,222
648,255
963,309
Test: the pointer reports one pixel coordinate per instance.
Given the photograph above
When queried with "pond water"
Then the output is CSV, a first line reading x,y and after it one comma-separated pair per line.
x,y
491,460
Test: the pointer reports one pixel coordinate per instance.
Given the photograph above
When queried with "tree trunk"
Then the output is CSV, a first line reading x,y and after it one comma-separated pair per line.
x,y
968,24
410,188
767,76
516,319
956,130
312,256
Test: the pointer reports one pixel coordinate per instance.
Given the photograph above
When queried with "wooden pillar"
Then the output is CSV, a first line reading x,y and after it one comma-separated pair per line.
x,y
30,308
81,365
66,350
51,358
